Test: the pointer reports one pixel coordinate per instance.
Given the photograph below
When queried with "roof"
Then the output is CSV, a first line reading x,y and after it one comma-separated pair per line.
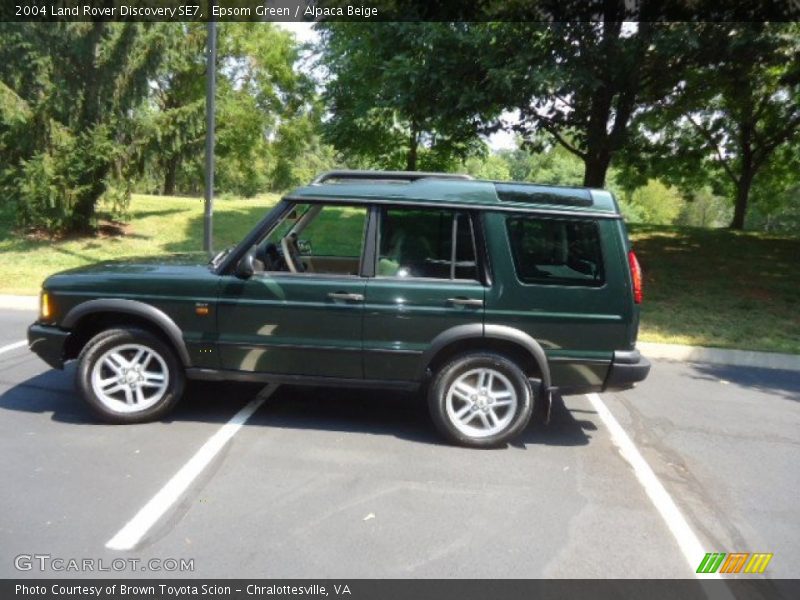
x,y
453,190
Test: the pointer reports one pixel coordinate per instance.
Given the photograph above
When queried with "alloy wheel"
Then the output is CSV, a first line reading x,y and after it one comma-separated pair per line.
x,y
130,378
481,402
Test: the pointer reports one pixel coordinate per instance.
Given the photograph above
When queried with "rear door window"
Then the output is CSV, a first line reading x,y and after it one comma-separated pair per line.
x,y
426,243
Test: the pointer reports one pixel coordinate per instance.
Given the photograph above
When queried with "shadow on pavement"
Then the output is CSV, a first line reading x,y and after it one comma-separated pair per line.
x,y
399,414
52,392
375,412
768,381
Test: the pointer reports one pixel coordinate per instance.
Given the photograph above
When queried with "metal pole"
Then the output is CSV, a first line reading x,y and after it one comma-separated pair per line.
x,y
211,86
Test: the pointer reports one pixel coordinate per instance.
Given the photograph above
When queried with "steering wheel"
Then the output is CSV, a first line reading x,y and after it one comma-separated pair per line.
x,y
291,254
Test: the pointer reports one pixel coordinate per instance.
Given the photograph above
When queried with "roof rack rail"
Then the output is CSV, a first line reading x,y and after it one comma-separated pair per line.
x,y
385,175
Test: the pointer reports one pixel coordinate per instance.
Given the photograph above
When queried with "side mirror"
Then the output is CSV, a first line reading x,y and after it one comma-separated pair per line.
x,y
245,268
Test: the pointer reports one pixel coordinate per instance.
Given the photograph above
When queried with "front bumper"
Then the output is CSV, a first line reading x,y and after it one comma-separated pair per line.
x,y
627,369
48,343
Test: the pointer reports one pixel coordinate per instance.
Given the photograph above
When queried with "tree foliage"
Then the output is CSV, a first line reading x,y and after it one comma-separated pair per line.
x,y
554,166
579,84
267,111
399,93
90,110
686,122
654,203
732,118
68,92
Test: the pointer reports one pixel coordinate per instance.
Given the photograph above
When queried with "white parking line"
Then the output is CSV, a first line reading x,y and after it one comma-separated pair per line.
x,y
688,542
127,537
13,346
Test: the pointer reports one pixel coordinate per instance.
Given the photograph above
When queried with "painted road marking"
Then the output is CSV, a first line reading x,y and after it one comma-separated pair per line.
x,y
13,302
688,542
135,529
13,346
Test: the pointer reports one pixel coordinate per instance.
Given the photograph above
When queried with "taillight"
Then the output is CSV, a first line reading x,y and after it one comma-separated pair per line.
x,y
636,277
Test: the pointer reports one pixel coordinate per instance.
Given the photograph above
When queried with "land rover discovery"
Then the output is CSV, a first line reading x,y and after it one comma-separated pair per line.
x,y
488,297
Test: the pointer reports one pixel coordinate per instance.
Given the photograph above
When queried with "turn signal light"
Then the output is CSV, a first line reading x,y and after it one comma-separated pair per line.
x,y
45,310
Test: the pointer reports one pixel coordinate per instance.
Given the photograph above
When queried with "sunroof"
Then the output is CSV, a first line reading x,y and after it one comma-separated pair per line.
x,y
539,194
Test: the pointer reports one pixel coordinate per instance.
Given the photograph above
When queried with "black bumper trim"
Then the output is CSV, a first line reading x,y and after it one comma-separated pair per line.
x,y
47,343
628,368
305,380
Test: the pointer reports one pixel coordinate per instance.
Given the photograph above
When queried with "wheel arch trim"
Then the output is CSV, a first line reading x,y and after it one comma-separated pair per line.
x,y
131,307
492,332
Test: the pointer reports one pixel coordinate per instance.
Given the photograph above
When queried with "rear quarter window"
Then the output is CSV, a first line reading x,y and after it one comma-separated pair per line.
x,y
556,251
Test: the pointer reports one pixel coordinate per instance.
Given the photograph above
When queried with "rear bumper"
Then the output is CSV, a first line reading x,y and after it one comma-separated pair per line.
x,y
48,344
627,369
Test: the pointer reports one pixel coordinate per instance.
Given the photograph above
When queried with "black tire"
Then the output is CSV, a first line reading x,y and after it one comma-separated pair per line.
x,y
107,341
517,417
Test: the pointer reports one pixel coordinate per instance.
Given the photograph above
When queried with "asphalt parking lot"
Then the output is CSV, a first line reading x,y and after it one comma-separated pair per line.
x,y
343,484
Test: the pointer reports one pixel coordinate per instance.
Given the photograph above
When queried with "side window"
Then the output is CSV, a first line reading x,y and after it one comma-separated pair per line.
x,y
426,243
335,231
556,251
315,239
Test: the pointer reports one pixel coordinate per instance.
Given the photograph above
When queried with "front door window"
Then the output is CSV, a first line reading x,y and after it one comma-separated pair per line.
x,y
319,239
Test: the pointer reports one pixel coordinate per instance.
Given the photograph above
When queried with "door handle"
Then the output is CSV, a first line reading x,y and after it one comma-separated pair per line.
x,y
465,302
346,296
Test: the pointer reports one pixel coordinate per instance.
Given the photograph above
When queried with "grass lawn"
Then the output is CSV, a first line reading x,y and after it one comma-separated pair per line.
x,y
157,225
719,288
702,287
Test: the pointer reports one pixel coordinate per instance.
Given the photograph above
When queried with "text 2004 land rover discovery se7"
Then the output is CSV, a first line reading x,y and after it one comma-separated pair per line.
x,y
489,296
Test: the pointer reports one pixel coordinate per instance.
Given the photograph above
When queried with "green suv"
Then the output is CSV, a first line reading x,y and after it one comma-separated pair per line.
x,y
487,296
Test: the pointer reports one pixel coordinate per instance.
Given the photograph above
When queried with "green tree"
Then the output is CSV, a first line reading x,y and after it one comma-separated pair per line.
x,y
490,166
175,118
261,98
70,91
579,84
731,118
399,94
300,154
776,192
653,203
553,165
705,209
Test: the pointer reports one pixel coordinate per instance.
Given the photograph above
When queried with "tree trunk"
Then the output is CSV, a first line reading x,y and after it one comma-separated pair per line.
x,y
83,212
745,180
742,198
594,171
170,176
411,157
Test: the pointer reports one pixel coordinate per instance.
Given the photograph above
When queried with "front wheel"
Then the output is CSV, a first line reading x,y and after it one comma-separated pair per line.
x,y
129,376
480,400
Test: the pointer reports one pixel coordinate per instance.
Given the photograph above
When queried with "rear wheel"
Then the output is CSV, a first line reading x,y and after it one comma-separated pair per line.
x,y
480,400
129,376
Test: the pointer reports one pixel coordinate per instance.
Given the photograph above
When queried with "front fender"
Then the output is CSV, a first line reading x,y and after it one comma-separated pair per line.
x,y
132,307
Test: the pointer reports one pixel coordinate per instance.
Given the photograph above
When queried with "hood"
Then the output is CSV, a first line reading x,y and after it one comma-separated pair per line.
x,y
143,264
170,266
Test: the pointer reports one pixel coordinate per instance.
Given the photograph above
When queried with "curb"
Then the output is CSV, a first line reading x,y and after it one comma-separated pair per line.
x,y
12,302
721,356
